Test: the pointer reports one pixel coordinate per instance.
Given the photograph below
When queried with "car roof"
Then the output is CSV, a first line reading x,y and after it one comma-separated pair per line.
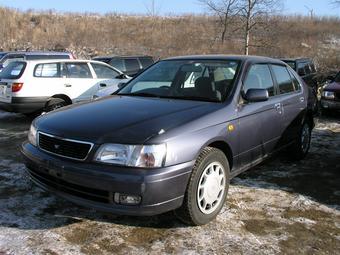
x,y
123,56
29,53
296,59
227,57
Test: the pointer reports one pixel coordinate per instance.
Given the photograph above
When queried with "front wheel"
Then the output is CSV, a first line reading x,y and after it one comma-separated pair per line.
x,y
301,146
207,188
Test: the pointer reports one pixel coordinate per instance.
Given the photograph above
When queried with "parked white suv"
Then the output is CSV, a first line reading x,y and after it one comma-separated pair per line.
x,y
44,85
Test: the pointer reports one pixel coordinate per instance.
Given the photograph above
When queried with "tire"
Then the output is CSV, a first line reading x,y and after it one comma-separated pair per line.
x,y
300,148
211,167
54,104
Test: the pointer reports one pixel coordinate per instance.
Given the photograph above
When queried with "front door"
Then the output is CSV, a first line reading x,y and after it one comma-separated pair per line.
x,y
259,123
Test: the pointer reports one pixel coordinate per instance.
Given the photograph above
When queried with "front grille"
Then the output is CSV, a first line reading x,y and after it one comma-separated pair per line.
x,y
76,190
64,147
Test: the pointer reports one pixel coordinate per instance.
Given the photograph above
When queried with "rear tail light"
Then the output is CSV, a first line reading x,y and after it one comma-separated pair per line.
x,y
17,87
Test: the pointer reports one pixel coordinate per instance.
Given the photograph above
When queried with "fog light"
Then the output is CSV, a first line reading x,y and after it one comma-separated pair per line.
x,y
127,199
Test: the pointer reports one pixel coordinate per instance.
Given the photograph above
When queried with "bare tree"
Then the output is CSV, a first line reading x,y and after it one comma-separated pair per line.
x,y
152,8
251,11
336,2
226,10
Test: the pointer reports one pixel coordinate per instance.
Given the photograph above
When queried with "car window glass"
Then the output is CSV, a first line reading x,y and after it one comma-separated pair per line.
x,y
104,72
146,62
193,80
118,63
47,70
337,77
78,70
312,67
296,83
13,71
301,69
131,64
259,77
283,79
307,69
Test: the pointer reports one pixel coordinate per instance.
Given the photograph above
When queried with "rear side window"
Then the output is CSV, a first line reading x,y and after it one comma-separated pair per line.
x,y
104,72
13,70
283,79
259,77
146,62
78,70
47,70
118,63
105,60
296,83
131,64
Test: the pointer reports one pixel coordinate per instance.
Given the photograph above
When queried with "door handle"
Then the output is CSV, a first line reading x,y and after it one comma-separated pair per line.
x,y
102,85
278,106
302,99
68,85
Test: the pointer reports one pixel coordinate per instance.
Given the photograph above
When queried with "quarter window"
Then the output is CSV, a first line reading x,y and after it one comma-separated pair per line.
x,y
104,72
283,79
47,70
259,77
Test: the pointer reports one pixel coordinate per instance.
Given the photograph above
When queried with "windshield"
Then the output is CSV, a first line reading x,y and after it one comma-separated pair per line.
x,y
2,54
204,80
13,70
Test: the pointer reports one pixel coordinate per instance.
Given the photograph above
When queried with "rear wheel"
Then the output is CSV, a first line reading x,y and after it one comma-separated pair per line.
x,y
301,146
54,104
207,188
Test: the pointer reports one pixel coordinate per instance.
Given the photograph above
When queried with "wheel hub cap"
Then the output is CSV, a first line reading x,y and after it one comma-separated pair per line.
x,y
211,188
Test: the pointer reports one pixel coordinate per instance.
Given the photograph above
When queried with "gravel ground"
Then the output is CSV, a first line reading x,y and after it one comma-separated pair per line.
x,y
279,207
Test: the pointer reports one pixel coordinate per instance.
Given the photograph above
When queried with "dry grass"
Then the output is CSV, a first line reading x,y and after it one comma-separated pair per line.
x,y
91,34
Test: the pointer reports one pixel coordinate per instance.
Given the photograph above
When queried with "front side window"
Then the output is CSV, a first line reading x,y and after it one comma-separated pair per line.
x,y
146,62
337,77
259,77
104,72
118,63
186,79
13,70
78,70
283,79
301,69
47,70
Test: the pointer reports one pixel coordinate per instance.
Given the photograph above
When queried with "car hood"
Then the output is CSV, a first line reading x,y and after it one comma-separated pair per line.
x,y
122,119
334,86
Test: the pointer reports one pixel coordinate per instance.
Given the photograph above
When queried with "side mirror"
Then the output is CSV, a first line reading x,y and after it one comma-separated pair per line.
x,y
256,95
121,76
121,85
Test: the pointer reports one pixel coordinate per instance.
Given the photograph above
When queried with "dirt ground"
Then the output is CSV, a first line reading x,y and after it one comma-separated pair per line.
x,y
279,207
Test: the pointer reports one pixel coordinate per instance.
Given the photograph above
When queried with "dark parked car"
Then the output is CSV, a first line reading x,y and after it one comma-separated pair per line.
x,y
130,65
330,99
305,67
173,137
10,56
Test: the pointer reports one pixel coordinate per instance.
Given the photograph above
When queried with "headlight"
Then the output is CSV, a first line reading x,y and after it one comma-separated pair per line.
x,y
328,94
148,156
32,135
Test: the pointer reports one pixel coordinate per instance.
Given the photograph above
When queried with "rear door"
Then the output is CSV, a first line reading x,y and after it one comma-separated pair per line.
x,y
80,84
259,123
293,102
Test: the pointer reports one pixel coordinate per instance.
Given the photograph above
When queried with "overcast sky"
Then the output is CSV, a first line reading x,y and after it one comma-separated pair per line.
x,y
319,7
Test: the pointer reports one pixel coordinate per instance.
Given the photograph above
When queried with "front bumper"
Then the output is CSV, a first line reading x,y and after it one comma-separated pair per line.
x,y
24,104
330,104
94,185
